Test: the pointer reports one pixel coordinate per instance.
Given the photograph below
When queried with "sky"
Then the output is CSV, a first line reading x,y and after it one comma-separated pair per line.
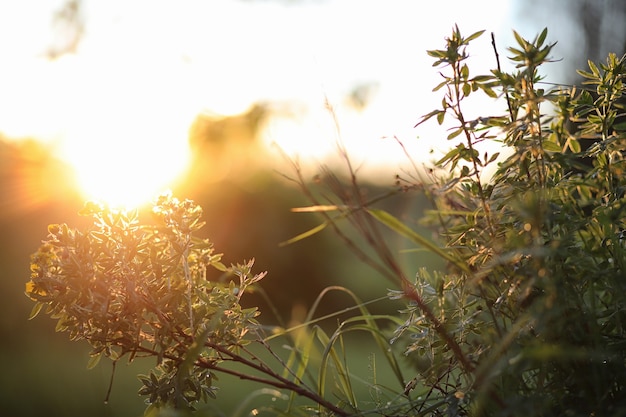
x,y
144,69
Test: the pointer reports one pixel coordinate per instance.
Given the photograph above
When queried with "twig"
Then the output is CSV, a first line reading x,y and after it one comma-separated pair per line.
x,y
106,399
277,381
506,93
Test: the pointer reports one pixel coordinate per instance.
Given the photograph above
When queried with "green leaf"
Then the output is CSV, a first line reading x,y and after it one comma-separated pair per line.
x,y
437,53
440,117
440,85
455,133
573,145
474,36
542,37
381,340
464,71
428,116
551,146
35,311
488,90
396,225
594,69
61,326
300,354
520,41
339,367
304,235
219,266
482,78
585,74
452,154
620,126
493,157
467,89
94,360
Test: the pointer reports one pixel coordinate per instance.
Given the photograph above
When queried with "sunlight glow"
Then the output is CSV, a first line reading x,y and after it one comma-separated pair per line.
x,y
126,134
119,110
123,132
125,173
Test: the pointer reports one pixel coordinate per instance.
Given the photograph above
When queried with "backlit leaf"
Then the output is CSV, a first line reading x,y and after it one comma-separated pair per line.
x,y
305,235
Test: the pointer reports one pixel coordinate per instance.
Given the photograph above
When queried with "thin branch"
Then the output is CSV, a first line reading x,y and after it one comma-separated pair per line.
x,y
277,380
506,93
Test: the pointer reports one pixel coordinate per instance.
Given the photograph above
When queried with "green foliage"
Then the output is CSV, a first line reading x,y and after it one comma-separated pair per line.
x,y
527,316
537,308
138,290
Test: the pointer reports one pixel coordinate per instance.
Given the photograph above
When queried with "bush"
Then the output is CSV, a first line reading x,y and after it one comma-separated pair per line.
x,y
526,318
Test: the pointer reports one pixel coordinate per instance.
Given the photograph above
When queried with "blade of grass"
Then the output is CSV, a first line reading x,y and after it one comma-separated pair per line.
x,y
304,235
300,353
318,208
342,371
381,340
399,227
241,409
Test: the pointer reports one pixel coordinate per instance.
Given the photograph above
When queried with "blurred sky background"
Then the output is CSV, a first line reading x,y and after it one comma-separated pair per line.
x,y
119,82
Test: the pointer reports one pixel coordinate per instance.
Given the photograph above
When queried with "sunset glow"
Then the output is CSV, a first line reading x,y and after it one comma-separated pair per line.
x,y
119,108
124,132
124,172
128,136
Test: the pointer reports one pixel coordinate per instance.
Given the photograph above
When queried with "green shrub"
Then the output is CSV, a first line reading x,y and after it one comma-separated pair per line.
x,y
526,318
536,299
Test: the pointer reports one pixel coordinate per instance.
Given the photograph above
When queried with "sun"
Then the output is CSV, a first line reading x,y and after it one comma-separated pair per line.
x,y
126,176
126,162
126,166
125,133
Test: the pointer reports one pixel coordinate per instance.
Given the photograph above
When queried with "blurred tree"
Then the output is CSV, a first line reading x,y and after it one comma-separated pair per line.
x,y
597,26
362,94
68,25
226,146
254,212
603,27
253,209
